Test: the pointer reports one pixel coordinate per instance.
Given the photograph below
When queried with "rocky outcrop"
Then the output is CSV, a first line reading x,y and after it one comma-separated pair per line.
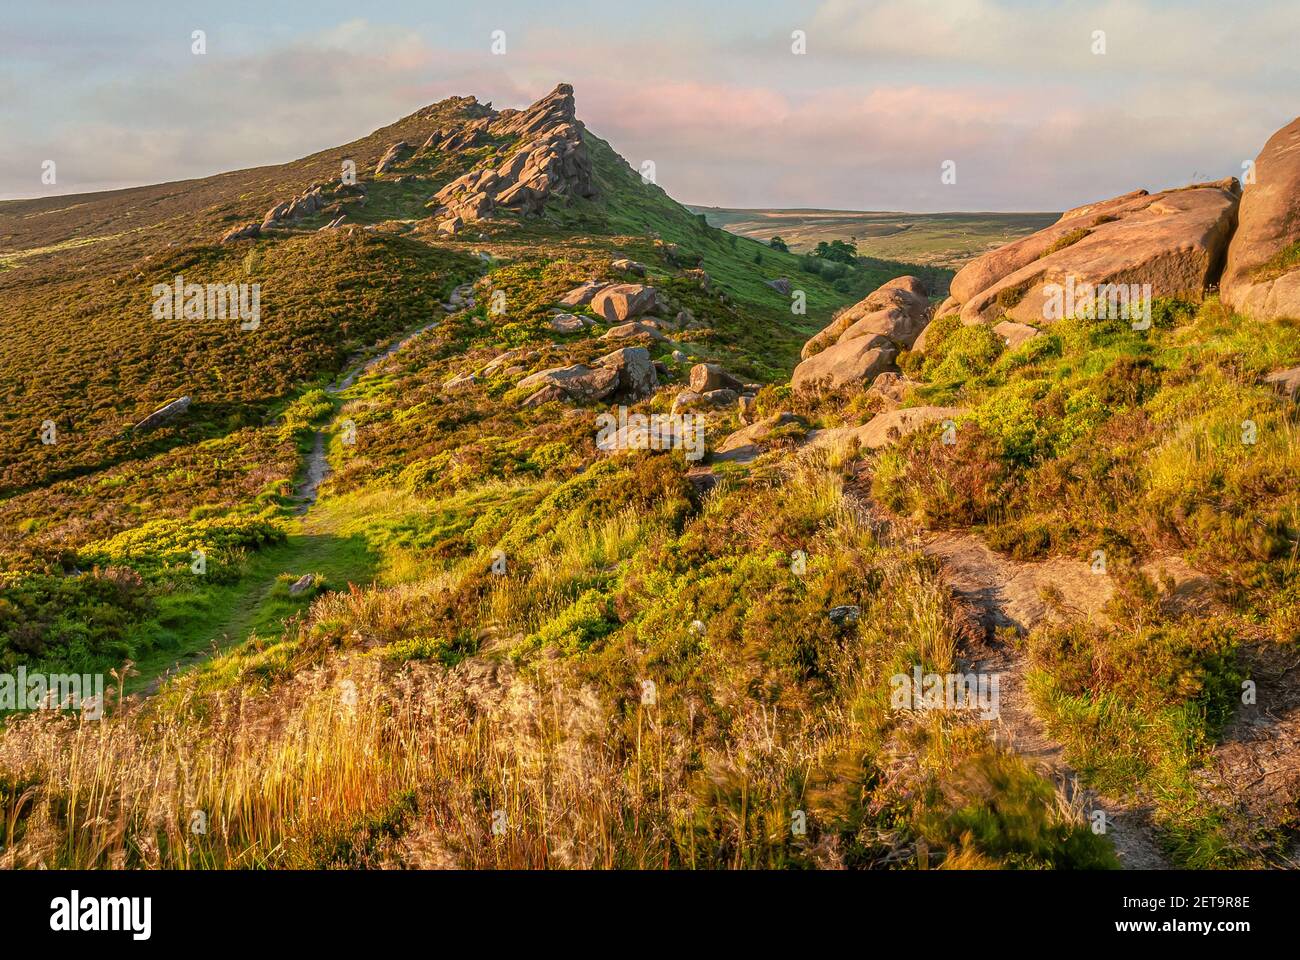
x,y
896,311
863,340
551,160
1262,276
1176,241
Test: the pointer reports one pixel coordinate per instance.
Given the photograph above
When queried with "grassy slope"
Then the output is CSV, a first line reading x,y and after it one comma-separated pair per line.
x,y
770,710
1095,437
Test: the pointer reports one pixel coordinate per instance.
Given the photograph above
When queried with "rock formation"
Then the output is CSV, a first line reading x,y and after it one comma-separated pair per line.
x,y
1262,276
550,161
863,341
1176,241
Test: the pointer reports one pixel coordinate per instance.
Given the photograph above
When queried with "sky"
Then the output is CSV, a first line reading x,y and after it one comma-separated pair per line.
x,y
1014,98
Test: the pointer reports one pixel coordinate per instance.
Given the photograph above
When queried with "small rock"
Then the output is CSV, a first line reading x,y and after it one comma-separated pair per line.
x,y
844,614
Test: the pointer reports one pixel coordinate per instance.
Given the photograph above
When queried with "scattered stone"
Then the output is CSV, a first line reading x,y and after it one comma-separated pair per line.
x,y
624,301
302,585
847,614
568,323
1286,382
459,383
743,445
781,285
578,381
395,153
163,415
637,376
635,329
701,278
548,394
885,428
1014,334
247,232
450,225
581,296
689,400
710,376
624,265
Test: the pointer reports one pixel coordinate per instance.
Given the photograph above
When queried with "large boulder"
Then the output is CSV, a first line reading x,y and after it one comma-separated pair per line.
x,y
897,310
844,364
622,302
1176,241
1262,276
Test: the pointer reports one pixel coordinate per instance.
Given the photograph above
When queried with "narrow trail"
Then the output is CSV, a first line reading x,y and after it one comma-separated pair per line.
x,y
309,550
1005,594
1008,595
317,469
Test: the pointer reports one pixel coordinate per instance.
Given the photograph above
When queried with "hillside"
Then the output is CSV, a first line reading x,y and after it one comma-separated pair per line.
x,y
936,239
389,591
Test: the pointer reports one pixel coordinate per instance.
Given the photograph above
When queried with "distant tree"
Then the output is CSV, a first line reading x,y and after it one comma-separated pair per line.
x,y
758,257
839,251
776,243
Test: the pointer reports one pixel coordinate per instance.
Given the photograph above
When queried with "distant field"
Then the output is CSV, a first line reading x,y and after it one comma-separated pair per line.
x,y
938,239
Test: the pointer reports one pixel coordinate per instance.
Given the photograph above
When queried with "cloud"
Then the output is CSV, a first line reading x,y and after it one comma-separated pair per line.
x,y
887,92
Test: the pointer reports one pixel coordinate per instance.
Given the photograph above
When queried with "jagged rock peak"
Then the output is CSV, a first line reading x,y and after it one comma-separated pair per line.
x,y
551,160
554,109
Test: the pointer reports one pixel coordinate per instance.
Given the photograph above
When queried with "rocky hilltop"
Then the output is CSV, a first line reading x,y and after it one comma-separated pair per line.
x,y
521,160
